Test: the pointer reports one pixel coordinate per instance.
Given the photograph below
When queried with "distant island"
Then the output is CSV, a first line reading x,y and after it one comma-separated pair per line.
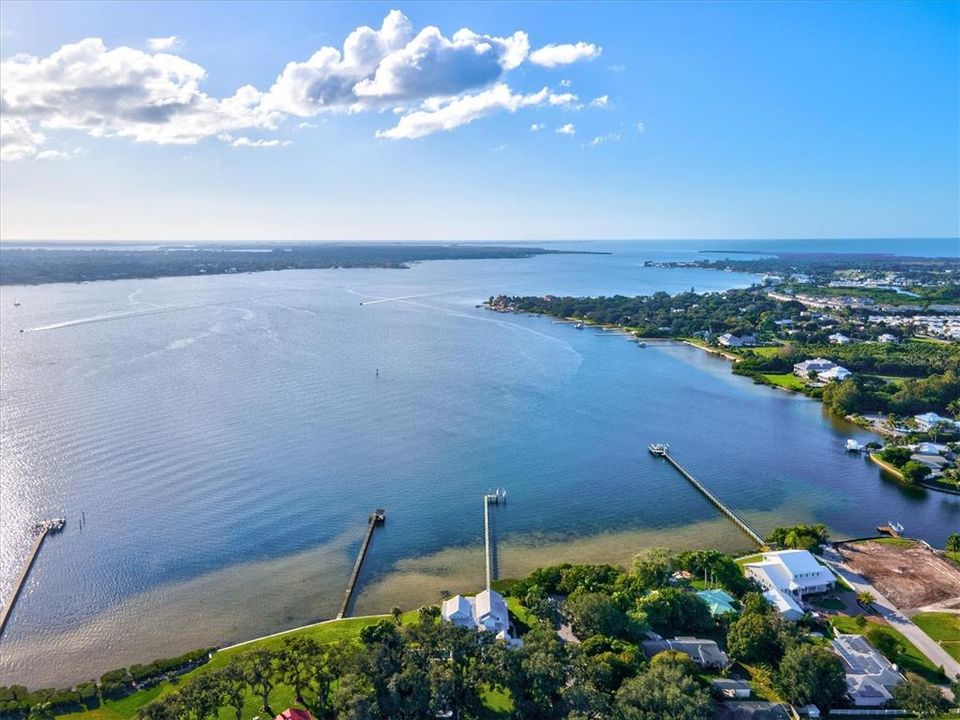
x,y
36,264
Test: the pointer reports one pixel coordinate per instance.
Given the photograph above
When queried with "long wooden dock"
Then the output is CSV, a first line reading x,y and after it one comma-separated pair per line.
x,y
376,518
663,450
494,498
43,529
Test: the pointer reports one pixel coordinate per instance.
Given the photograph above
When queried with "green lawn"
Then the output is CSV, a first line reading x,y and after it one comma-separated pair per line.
x,y
893,644
281,697
896,542
785,380
741,561
766,352
942,627
522,614
829,603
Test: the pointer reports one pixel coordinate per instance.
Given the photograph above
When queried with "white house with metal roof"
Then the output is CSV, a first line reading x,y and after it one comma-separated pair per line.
x,y
485,612
786,576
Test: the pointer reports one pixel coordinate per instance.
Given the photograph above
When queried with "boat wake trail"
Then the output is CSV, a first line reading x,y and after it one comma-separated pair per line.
x,y
377,300
114,316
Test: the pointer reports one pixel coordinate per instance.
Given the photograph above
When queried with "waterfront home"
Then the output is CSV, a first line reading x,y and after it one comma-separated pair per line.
x,y
870,676
936,463
929,448
484,612
786,576
816,366
730,688
719,602
705,653
928,421
887,338
837,373
838,339
730,340
786,607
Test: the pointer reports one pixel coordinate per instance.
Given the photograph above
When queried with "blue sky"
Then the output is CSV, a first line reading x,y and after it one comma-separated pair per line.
x,y
646,120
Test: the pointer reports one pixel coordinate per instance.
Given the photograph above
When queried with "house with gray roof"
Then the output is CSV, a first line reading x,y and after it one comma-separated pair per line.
x,y
870,676
705,653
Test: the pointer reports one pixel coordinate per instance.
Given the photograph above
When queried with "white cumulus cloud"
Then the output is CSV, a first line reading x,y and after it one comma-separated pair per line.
x,y
151,98
567,129
432,82
567,99
554,55
602,101
18,140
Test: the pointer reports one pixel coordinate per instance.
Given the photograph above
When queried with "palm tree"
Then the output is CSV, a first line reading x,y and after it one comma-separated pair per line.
x,y
865,598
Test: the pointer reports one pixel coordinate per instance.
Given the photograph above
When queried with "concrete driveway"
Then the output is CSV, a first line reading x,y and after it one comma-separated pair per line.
x,y
886,609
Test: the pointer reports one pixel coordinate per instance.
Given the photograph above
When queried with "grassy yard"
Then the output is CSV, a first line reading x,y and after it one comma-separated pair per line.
x,y
766,352
784,380
741,561
896,542
828,603
942,627
892,644
281,697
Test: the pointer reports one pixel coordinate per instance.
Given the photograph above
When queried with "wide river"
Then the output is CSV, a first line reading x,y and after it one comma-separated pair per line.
x,y
226,437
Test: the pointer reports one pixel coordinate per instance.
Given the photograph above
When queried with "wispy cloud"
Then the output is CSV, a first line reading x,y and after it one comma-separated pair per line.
x,y
567,129
601,139
163,44
537,127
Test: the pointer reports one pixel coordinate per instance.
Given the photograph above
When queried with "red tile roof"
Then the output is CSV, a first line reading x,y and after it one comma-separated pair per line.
x,y
294,714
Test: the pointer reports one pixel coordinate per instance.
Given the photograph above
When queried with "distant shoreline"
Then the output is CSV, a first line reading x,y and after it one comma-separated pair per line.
x,y
38,264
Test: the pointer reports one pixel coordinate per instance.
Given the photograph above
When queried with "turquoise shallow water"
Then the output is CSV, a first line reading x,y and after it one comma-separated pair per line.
x,y
226,437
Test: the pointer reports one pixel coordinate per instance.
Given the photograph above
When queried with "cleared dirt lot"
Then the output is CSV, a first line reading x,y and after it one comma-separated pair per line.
x,y
910,576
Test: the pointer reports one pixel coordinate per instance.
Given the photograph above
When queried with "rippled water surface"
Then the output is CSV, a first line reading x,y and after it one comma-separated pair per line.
x,y
225,438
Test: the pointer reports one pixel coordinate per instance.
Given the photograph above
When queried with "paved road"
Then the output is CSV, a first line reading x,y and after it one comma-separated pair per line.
x,y
886,609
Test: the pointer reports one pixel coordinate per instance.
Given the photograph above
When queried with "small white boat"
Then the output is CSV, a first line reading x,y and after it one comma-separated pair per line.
x,y
854,446
579,326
